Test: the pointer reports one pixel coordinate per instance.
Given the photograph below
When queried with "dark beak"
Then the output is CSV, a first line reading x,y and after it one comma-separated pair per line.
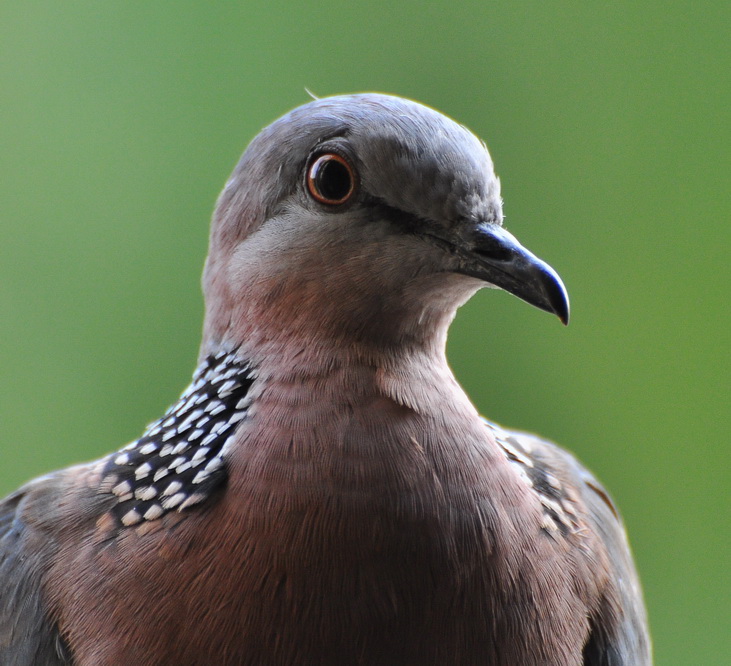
x,y
495,256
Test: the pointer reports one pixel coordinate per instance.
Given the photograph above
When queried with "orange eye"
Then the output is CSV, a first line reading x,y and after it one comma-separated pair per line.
x,y
330,179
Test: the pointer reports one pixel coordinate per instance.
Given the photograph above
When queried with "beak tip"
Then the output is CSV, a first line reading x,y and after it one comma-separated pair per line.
x,y
559,300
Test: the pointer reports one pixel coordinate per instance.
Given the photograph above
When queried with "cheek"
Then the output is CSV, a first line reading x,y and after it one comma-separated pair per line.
x,y
338,256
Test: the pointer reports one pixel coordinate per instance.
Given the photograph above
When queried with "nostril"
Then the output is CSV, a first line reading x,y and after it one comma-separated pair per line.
x,y
494,242
489,247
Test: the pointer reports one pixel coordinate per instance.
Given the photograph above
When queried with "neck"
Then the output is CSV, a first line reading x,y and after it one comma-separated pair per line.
x,y
310,327
368,303
363,314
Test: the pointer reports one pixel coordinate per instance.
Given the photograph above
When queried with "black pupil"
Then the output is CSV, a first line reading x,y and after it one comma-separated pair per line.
x,y
332,179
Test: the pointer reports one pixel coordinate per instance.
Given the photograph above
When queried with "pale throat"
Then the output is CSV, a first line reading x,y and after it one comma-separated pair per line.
x,y
329,319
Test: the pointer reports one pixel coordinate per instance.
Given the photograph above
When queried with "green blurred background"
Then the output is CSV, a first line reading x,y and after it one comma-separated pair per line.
x,y
608,124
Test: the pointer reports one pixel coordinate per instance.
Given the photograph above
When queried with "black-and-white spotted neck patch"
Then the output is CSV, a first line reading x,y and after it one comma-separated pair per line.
x,y
180,459
556,498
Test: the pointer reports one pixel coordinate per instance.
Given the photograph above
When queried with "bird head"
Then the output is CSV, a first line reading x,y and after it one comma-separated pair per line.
x,y
367,218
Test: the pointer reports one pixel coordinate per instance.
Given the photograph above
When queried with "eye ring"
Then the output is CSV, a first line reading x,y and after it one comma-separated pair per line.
x,y
330,179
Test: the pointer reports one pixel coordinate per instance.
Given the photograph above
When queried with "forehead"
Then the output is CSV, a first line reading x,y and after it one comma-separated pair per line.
x,y
406,154
386,127
426,162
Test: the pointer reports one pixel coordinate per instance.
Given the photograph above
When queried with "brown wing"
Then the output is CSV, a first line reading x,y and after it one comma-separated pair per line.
x,y
619,634
28,637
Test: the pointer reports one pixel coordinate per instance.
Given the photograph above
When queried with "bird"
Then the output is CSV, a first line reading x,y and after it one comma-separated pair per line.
x,y
324,491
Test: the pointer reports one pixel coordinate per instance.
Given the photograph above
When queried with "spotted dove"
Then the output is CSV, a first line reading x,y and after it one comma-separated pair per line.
x,y
324,492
